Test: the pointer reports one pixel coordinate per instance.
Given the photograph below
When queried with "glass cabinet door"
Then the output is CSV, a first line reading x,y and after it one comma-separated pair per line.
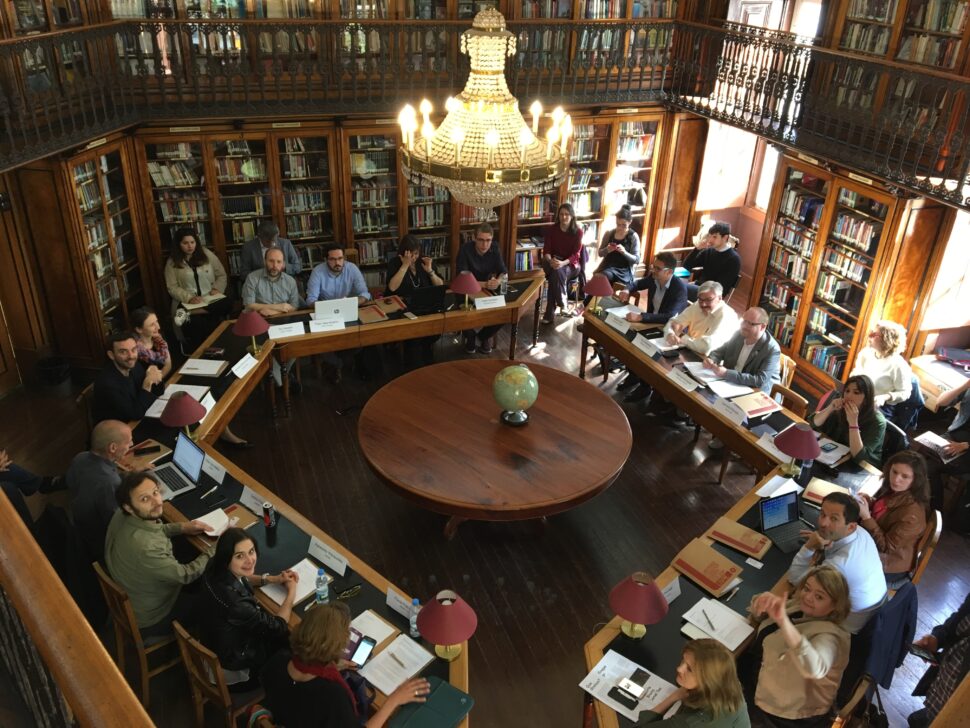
x,y
633,172
244,195
589,162
178,190
307,195
373,202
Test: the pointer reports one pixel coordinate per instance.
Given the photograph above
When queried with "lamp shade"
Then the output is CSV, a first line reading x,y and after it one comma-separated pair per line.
x,y
447,619
798,441
182,410
638,599
250,323
465,283
599,285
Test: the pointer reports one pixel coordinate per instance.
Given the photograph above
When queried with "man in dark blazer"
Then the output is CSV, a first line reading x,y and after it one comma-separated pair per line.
x,y
124,389
751,357
666,297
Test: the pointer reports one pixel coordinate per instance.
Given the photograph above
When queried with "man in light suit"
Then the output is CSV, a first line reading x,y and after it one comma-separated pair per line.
x,y
666,297
751,357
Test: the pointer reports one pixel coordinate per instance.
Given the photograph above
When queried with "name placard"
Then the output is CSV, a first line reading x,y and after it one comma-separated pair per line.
x,y
252,500
398,603
242,367
645,345
213,469
620,324
281,331
682,380
485,302
326,323
730,410
672,590
327,556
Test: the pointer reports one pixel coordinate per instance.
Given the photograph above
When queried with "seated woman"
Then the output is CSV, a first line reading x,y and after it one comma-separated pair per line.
x,y
882,361
191,272
709,689
800,650
620,250
241,633
406,272
306,689
854,421
896,517
562,244
152,348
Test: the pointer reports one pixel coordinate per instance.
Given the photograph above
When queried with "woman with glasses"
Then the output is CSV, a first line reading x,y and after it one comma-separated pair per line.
x,y
882,361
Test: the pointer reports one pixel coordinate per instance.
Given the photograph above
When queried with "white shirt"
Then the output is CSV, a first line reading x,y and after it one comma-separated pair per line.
x,y
704,332
743,356
857,557
891,376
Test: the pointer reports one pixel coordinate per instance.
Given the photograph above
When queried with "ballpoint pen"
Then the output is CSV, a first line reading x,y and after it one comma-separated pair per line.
x,y
209,492
734,591
708,619
396,659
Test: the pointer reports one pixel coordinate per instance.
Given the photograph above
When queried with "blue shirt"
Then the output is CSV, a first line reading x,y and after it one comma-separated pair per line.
x,y
325,285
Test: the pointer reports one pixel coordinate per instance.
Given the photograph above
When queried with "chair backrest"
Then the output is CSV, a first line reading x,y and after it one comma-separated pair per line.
x,y
84,402
119,605
927,544
203,666
787,372
790,399
894,441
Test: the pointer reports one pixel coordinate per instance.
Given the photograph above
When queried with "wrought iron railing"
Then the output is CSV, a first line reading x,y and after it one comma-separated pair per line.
x,y
906,126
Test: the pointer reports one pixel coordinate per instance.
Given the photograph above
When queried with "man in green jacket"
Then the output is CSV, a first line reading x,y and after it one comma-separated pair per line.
x,y
138,552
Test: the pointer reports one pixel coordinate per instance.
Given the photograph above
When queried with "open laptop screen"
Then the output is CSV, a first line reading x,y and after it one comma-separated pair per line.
x,y
188,457
779,510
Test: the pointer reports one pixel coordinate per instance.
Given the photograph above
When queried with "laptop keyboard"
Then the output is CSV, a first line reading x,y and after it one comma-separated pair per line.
x,y
172,479
787,536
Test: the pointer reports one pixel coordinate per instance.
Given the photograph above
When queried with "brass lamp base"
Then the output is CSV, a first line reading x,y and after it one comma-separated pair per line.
x,y
594,305
254,348
447,652
633,631
791,469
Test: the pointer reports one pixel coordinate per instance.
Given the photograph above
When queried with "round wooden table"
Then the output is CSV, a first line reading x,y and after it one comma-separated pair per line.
x,y
434,435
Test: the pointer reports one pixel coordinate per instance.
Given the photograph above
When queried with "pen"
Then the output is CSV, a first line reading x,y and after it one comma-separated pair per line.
x,y
209,492
396,659
702,612
450,307
734,591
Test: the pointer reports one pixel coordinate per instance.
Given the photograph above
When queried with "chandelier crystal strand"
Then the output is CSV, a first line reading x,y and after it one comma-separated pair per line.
x,y
483,152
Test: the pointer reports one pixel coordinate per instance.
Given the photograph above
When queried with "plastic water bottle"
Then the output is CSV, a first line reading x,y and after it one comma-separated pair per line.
x,y
503,284
323,588
415,608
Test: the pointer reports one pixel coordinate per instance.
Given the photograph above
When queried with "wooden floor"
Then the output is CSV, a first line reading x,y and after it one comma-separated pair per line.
x,y
540,591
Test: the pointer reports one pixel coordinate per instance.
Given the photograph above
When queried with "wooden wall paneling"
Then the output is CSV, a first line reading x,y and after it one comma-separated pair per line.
x,y
9,375
678,179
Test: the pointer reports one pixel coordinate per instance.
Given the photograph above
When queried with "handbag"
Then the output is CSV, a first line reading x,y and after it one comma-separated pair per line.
x,y
870,714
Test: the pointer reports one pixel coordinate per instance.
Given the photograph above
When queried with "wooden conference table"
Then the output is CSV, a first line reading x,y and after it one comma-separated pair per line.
x,y
434,435
399,328
699,404
290,541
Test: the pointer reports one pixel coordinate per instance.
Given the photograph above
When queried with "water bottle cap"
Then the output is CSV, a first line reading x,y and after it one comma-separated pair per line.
x,y
320,572
415,601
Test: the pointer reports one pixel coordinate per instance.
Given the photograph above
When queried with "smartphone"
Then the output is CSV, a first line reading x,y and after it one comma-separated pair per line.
x,y
364,648
623,698
409,315
829,447
923,654
139,451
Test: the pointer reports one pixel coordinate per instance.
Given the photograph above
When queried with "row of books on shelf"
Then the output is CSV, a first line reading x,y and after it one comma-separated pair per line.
x,y
860,233
782,327
794,238
95,231
581,177
802,206
655,8
172,174
306,225
299,166
944,16
585,150
434,246
929,50
586,203
425,216
857,98
834,289
830,358
240,169
882,11
591,232
107,293
549,8
239,147
176,150
372,252
181,206
242,231
788,264
539,207
235,261
88,194
635,149
862,203
526,260
377,192
600,9
867,38
247,205
419,195
829,328
101,262
373,221
845,266
303,198
782,295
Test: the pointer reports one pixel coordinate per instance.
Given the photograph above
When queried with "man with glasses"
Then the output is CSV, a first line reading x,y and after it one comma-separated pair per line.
x,y
482,258
666,297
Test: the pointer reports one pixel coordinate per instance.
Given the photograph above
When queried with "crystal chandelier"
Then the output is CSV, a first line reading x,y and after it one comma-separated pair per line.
x,y
484,153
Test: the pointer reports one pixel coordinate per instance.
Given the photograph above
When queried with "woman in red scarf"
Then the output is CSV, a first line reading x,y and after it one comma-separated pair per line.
x,y
306,689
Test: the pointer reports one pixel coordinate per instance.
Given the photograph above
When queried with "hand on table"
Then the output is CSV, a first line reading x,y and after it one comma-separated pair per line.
x,y
194,528
716,368
492,283
413,691
950,449
634,317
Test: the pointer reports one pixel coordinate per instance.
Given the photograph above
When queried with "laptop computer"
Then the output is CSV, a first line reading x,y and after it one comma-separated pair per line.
x,y
780,522
183,472
427,300
344,308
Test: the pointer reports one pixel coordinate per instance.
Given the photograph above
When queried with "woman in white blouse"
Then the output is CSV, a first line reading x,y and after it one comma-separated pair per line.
x,y
192,272
882,361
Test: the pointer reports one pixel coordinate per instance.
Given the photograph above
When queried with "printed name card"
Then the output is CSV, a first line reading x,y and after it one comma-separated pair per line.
x,y
213,469
672,590
483,302
252,500
327,556
326,323
242,367
398,603
281,331
730,410
620,324
682,379
645,345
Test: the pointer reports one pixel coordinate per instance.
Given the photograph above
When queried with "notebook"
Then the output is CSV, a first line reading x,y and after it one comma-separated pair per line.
x,y
183,472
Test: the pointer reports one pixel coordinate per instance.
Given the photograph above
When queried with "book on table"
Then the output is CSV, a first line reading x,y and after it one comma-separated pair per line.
x,y
203,367
817,490
711,571
206,300
740,537
756,404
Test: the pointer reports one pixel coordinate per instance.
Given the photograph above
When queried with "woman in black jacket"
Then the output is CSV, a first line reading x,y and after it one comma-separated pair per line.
x,y
234,626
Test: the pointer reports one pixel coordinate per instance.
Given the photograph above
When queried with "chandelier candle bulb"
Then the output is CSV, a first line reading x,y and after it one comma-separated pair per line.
x,y
491,141
567,131
425,109
536,111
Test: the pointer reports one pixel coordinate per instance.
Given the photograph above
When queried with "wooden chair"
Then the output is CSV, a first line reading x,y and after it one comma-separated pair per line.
x,y
84,403
927,544
786,371
790,399
201,663
126,630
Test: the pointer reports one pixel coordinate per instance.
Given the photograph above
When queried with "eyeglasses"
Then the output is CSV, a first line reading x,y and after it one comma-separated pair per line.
x,y
658,269
752,323
348,593
708,299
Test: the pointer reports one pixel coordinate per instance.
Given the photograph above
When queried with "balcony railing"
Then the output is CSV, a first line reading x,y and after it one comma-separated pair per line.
x,y
906,126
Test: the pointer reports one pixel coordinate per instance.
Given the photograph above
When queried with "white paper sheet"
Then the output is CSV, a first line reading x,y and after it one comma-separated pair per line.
x,y
610,670
399,661
723,388
307,585
767,443
370,625
699,371
623,309
778,485
197,392
217,522
833,456
720,622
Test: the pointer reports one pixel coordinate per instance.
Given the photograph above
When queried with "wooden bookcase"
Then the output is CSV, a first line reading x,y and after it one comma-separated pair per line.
x,y
838,252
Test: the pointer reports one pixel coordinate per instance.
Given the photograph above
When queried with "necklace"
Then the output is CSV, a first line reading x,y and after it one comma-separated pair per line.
x,y
414,279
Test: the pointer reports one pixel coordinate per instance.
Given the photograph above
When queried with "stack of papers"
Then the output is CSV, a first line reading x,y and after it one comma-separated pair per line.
x,y
398,662
217,522
200,394
832,452
371,625
306,570
725,389
701,373
203,367
719,622
613,668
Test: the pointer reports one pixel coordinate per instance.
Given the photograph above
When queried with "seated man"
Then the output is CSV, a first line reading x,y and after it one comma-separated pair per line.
x,y
666,297
269,291
839,541
138,553
253,252
92,480
705,324
714,252
751,357
958,433
124,388
482,258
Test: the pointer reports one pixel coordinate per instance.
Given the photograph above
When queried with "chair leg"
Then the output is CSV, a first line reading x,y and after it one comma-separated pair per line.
x,y
697,432
725,459
199,708
143,664
120,648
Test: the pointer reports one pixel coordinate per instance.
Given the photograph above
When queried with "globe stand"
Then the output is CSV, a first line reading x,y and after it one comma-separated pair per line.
x,y
515,418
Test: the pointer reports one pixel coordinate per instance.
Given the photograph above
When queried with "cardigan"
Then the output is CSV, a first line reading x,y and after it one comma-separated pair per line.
x,y
180,281
891,376
898,531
